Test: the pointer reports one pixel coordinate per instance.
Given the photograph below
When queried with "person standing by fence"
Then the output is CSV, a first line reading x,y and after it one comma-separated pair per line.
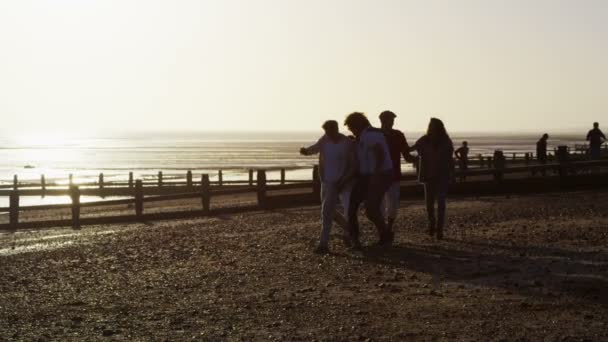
x,y
462,154
397,145
374,178
596,138
435,150
541,151
336,171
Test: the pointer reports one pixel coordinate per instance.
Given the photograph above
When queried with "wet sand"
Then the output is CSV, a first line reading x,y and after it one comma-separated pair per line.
x,y
514,268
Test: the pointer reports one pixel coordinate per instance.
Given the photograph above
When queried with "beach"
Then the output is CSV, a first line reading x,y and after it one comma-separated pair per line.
x,y
510,268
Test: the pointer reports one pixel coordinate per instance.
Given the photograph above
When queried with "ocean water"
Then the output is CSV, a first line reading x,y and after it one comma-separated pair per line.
x,y
175,153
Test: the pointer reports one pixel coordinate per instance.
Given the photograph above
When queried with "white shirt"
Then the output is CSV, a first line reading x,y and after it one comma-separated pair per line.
x,y
335,158
366,154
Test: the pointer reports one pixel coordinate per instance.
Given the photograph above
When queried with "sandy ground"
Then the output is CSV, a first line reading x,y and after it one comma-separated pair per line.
x,y
519,268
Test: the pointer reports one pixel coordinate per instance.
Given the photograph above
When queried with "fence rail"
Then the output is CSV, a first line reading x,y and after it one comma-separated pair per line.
x,y
568,170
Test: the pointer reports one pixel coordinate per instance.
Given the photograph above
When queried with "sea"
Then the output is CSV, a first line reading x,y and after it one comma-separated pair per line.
x,y
145,154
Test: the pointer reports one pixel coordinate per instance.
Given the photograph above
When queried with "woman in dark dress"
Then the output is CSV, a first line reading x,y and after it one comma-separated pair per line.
x,y
435,171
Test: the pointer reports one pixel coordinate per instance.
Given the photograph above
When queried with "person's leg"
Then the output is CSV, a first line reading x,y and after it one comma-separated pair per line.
x,y
357,196
377,188
392,199
429,196
441,195
543,161
329,197
344,198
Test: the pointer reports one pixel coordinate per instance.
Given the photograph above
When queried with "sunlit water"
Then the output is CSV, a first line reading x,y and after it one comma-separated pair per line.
x,y
56,157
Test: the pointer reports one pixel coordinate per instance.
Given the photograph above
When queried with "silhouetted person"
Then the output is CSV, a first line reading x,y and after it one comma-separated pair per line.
x,y
541,151
462,154
375,175
435,151
596,138
397,145
336,170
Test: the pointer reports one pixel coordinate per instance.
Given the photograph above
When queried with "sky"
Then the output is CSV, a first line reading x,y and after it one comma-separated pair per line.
x,y
286,65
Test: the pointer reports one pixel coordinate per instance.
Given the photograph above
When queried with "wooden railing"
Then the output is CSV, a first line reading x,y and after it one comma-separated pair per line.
x,y
564,171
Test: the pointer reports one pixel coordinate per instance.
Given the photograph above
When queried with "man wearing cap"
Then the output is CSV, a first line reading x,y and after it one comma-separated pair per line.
x,y
373,179
397,145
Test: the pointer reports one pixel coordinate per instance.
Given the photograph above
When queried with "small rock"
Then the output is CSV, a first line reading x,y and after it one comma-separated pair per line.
x,y
108,332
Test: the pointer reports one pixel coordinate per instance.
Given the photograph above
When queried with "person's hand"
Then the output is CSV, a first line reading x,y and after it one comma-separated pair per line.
x,y
303,151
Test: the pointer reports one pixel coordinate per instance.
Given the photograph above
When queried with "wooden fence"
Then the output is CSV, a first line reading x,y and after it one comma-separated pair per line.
x,y
499,176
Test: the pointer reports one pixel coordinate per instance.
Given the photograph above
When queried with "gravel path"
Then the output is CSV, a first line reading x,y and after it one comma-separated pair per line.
x,y
525,268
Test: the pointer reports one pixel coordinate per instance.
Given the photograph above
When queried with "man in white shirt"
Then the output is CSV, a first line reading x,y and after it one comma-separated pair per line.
x,y
373,180
336,166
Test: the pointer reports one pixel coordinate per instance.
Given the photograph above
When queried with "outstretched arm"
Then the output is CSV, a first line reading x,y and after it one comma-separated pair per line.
x,y
312,149
406,152
458,154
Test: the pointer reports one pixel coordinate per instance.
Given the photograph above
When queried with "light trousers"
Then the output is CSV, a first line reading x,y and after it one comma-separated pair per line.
x,y
392,200
331,195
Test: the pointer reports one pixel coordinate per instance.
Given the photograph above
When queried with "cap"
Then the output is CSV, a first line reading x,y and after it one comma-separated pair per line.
x,y
387,114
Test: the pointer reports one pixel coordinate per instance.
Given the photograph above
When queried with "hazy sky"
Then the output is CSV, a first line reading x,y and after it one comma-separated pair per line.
x,y
286,64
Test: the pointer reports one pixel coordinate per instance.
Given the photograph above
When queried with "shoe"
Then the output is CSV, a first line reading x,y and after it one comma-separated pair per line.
x,y
347,242
440,234
356,245
321,250
386,240
431,229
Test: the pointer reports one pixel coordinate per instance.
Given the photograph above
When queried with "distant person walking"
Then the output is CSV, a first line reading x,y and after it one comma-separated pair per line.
x,y
336,168
596,138
397,145
375,176
462,154
541,151
435,150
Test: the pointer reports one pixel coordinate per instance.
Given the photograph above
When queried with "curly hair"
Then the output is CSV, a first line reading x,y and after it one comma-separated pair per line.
x,y
357,119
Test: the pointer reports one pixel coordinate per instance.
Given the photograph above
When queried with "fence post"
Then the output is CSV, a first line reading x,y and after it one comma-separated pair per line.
x,y
15,182
14,209
205,193
130,179
101,181
71,179
160,178
527,158
261,188
316,183
220,178
499,165
75,195
282,176
43,183
250,177
189,179
480,161
562,158
139,198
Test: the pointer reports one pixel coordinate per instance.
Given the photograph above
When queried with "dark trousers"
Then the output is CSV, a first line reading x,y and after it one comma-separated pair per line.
x,y
542,159
436,191
369,189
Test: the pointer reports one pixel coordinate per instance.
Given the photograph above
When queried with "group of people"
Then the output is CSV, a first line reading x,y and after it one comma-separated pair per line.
x,y
595,137
365,168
